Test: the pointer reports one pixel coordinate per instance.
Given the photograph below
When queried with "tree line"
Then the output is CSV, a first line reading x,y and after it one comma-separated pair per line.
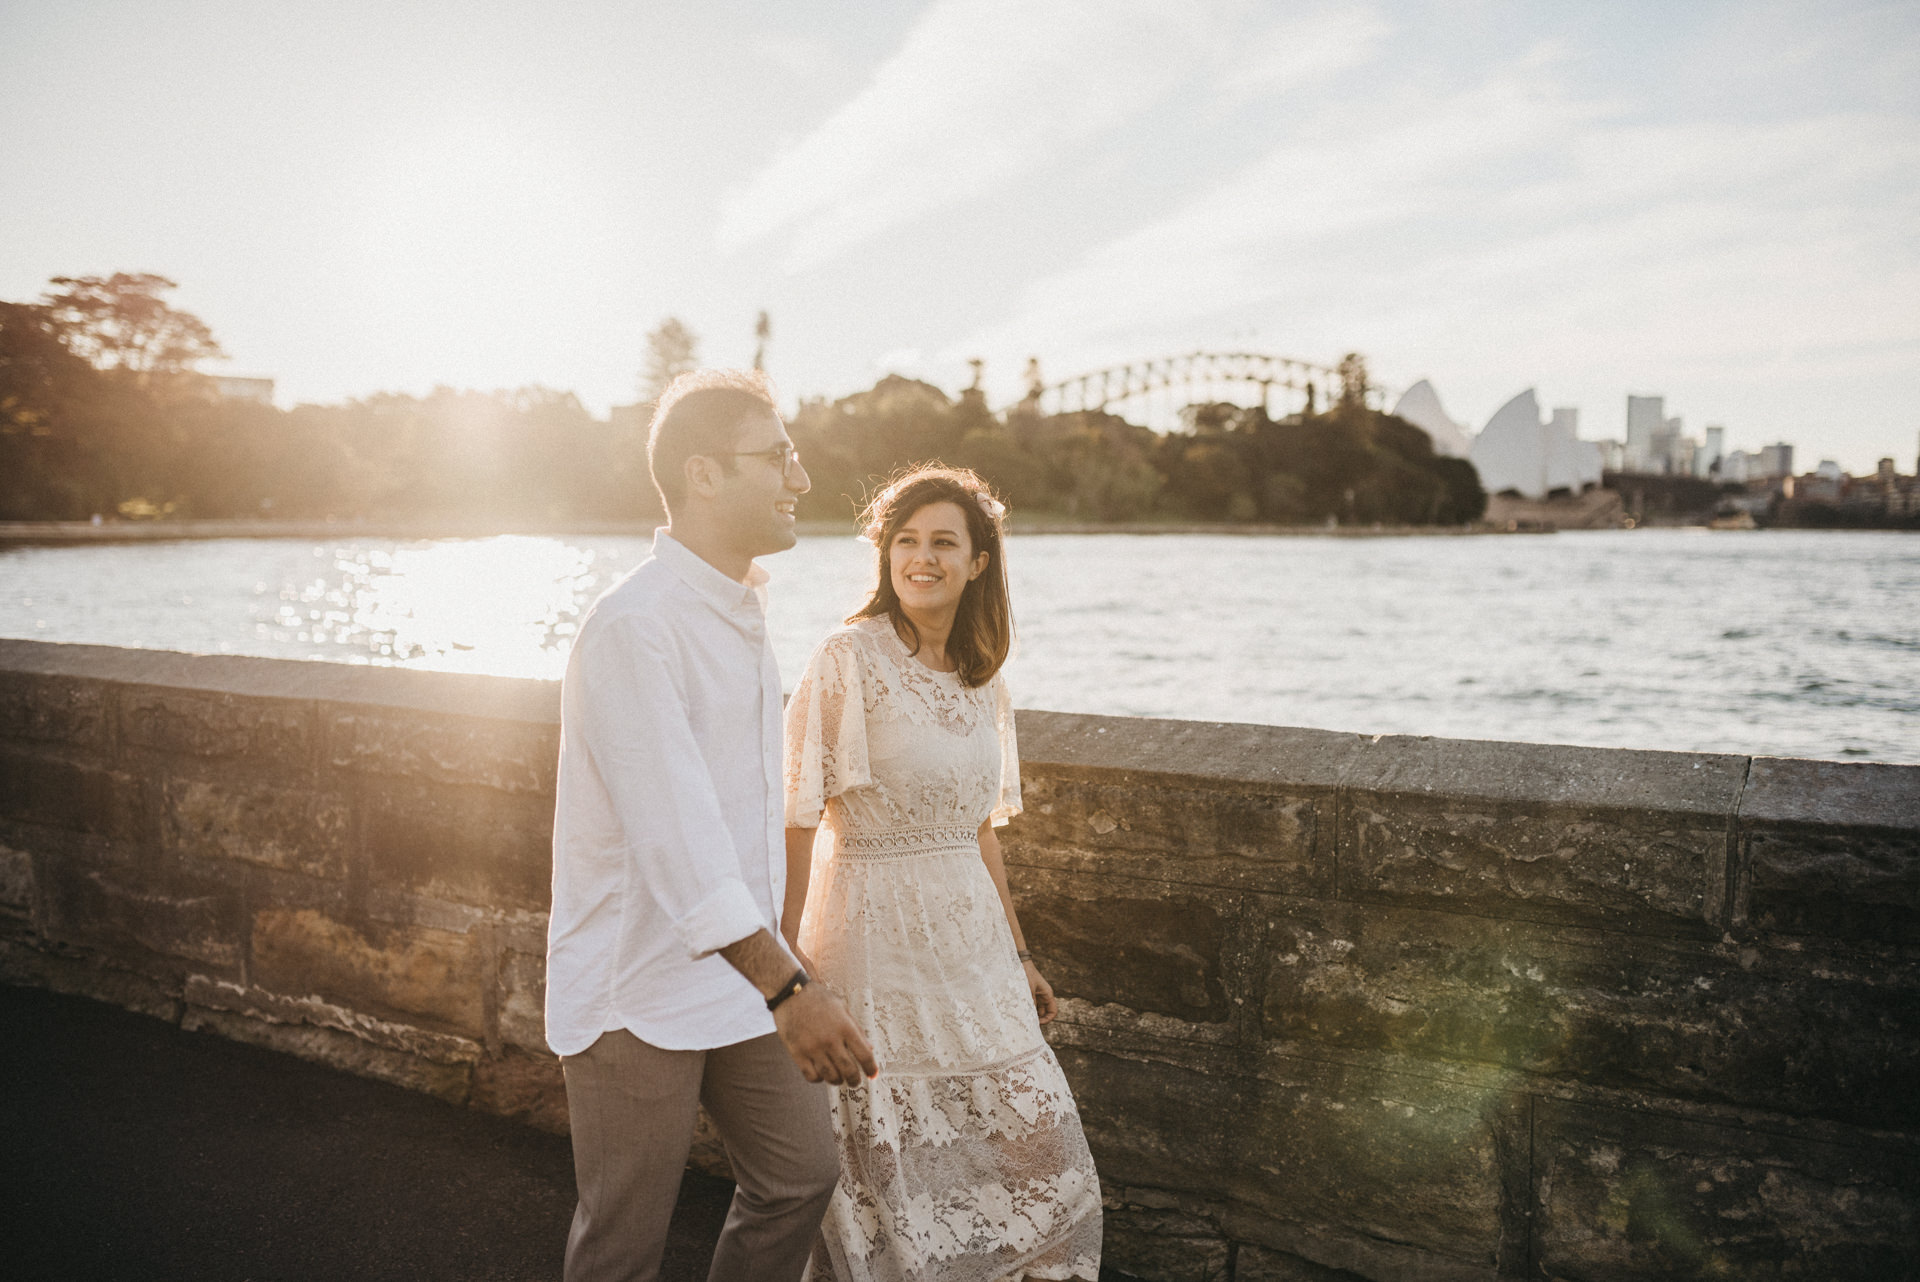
x,y
103,412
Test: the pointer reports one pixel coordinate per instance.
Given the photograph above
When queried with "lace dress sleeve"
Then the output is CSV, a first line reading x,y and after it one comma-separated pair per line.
x,y
826,732
1009,803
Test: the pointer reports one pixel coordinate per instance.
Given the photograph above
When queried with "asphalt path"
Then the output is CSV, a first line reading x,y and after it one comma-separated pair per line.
x,y
132,1150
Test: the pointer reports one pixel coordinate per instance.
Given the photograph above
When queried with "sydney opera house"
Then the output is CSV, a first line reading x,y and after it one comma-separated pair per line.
x,y
1517,450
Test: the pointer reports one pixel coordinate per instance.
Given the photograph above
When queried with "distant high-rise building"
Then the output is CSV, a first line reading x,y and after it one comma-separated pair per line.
x,y
1646,422
1829,469
1776,459
1707,462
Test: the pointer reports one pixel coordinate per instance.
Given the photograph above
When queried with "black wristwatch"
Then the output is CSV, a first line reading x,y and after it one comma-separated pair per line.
x,y
799,981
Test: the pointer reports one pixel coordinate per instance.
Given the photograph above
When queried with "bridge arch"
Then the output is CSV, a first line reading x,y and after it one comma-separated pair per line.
x,y
1153,392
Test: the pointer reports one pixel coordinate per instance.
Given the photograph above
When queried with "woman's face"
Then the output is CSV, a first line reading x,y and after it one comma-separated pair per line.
x,y
931,559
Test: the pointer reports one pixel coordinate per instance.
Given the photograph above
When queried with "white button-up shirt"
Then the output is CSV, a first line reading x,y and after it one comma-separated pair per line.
x,y
667,832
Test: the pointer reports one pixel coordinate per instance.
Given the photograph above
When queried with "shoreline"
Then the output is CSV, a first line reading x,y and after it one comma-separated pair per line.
x,y
84,533
65,533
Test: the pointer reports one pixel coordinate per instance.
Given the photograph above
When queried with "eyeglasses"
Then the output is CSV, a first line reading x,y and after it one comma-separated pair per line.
x,y
783,455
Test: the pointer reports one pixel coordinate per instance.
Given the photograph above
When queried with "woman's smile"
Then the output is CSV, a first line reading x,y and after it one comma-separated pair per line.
x,y
932,560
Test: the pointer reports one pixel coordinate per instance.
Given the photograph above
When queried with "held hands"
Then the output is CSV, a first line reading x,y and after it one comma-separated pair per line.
x,y
1042,991
823,1039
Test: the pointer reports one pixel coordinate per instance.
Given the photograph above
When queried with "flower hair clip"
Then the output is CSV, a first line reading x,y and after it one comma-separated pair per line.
x,y
993,507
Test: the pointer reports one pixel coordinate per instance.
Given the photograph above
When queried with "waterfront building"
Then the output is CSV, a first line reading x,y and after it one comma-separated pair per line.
x,y
1817,487
1829,469
1420,406
1776,459
1518,452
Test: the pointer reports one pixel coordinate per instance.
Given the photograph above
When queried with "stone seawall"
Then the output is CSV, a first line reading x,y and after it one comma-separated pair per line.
x,y
1334,1006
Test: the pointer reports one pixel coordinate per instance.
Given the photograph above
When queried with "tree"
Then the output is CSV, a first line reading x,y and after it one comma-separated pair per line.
x,y
121,322
672,350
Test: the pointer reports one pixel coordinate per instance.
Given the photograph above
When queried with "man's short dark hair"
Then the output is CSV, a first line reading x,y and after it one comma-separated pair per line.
x,y
701,413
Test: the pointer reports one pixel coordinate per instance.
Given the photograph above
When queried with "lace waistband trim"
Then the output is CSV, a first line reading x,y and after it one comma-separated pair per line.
x,y
907,843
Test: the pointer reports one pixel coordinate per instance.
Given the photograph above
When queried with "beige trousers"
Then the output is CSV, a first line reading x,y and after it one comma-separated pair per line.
x,y
633,1109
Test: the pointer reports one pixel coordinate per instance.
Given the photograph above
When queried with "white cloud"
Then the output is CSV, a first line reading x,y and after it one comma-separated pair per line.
x,y
982,92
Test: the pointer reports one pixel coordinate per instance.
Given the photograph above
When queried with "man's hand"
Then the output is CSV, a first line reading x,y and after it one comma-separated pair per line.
x,y
823,1039
815,1028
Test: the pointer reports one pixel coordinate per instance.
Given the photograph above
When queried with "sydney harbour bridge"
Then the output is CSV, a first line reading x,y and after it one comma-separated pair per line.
x,y
1154,392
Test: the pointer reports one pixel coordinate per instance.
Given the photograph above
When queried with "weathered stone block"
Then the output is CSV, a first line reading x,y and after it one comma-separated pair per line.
x,y
1155,1125
1637,840
278,1008
1769,1028
344,1051
1148,828
413,971
471,844
1384,1174
523,999
513,756
1162,1245
56,792
81,973
1149,948
53,709
149,919
1262,1264
1633,1195
210,724
528,1088
295,830
16,880
1181,752
1830,848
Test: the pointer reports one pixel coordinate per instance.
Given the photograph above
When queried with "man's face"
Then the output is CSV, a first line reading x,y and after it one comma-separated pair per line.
x,y
755,504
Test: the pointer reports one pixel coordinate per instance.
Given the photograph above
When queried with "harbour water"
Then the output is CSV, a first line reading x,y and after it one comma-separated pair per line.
x,y
1788,643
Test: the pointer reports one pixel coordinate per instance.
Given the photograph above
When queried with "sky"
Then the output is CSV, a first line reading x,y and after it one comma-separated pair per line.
x,y
1716,202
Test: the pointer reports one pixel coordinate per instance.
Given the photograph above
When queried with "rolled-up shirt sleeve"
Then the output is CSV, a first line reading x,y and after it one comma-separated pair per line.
x,y
639,732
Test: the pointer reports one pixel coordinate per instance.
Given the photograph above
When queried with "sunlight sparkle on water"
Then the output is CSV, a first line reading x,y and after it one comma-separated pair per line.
x,y
503,605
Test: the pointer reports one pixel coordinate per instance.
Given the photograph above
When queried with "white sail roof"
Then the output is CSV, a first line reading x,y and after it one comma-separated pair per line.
x,y
1420,406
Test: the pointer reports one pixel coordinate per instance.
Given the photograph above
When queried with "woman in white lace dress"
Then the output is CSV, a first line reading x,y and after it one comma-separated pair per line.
x,y
964,1160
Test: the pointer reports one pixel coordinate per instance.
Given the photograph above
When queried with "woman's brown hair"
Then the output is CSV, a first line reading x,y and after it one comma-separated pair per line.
x,y
982,632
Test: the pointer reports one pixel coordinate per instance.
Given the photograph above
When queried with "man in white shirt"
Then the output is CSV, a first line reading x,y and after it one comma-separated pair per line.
x,y
667,984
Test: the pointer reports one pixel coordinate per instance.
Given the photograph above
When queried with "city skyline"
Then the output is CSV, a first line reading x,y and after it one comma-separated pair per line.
x,y
1713,203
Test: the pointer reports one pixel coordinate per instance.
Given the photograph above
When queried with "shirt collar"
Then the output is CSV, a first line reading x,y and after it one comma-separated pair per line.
x,y
723,593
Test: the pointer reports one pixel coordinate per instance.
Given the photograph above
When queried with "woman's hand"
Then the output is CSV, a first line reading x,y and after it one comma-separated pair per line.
x,y
1042,993
806,962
